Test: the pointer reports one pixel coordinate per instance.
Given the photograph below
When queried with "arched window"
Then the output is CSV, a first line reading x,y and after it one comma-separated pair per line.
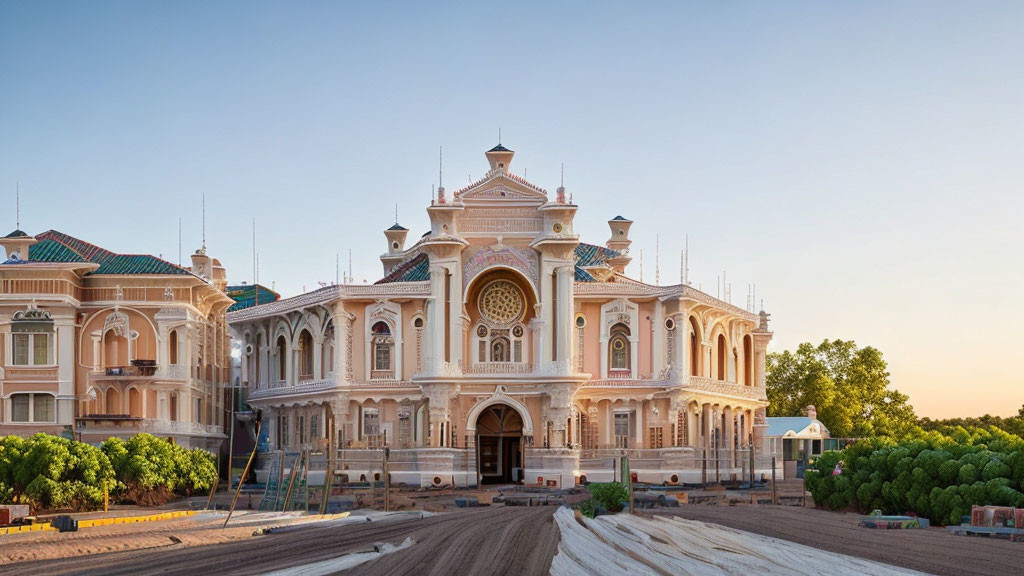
x,y
173,345
135,403
499,350
305,355
694,348
282,355
327,358
618,348
32,337
382,342
172,408
748,361
721,357
113,404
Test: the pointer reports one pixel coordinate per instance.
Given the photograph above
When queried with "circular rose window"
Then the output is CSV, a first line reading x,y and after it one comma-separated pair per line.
x,y
501,302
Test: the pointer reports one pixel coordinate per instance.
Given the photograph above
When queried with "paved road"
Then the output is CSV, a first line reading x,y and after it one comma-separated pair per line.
x,y
487,540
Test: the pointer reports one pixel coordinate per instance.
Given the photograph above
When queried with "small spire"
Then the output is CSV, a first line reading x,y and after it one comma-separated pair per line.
x,y
499,136
562,181
17,205
440,166
396,212
204,223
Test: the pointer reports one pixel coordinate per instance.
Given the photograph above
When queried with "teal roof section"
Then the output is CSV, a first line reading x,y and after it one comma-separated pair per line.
x,y
137,264
249,295
52,251
416,269
54,246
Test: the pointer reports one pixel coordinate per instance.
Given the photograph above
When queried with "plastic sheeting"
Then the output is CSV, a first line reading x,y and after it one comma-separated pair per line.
x,y
624,544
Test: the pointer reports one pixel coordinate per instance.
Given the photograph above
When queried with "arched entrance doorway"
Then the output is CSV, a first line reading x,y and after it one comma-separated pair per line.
x,y
499,444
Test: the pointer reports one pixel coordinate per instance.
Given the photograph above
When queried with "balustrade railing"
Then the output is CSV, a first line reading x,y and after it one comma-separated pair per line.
x,y
499,368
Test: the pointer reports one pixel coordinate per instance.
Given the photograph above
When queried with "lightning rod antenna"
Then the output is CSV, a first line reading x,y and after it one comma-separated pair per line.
x,y
657,260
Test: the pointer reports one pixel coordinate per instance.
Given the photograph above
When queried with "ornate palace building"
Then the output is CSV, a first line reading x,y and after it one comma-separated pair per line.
x,y
98,344
499,347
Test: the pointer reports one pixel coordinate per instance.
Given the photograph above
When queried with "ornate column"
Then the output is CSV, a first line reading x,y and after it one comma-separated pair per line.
x,y
564,279
658,334
435,322
318,357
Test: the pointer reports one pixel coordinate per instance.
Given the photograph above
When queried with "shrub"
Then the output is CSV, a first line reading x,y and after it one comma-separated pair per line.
x,y
151,470
51,472
609,495
936,476
588,508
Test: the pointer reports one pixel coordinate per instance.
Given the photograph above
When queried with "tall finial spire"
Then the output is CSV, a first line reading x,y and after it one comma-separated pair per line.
x,y
657,260
499,136
440,166
396,212
561,182
179,241
17,205
204,222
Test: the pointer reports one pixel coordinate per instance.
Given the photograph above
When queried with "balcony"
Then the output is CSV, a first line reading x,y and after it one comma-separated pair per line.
x,y
123,423
499,368
382,375
726,387
142,370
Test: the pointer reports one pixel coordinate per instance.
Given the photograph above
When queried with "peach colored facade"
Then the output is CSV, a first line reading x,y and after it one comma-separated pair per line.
x,y
500,347
98,344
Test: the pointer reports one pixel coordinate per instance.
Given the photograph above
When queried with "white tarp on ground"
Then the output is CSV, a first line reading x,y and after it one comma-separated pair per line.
x,y
624,544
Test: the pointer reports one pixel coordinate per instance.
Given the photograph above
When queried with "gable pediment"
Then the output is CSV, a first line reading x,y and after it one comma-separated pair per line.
x,y
499,186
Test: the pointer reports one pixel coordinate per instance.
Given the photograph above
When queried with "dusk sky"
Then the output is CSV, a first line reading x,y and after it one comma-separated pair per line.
x,y
860,162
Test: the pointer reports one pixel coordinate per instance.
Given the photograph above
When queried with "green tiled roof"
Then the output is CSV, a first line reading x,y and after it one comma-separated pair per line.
x,y
137,264
593,255
416,269
54,246
590,255
52,251
245,296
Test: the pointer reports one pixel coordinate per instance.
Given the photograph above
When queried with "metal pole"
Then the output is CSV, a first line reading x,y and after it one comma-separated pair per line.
x,y
751,461
773,479
629,481
231,440
387,480
244,474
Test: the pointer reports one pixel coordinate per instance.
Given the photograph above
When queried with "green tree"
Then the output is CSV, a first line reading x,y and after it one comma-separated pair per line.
x,y
849,387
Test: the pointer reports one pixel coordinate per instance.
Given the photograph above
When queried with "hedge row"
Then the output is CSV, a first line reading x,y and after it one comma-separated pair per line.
x,y
50,472
935,476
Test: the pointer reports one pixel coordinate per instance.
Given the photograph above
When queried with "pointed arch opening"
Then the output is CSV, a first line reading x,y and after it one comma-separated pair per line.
x,y
722,350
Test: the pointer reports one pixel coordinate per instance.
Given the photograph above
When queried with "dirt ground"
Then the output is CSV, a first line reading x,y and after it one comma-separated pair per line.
x,y
931,550
485,540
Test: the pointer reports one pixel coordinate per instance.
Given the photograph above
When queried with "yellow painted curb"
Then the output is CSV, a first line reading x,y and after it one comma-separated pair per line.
x,y
45,526
135,519
92,522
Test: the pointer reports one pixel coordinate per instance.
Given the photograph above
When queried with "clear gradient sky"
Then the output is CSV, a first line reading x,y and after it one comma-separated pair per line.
x,y
861,162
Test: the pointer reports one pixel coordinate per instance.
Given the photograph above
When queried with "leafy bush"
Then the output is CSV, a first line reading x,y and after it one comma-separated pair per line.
x,y
609,495
152,470
589,508
51,472
933,475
